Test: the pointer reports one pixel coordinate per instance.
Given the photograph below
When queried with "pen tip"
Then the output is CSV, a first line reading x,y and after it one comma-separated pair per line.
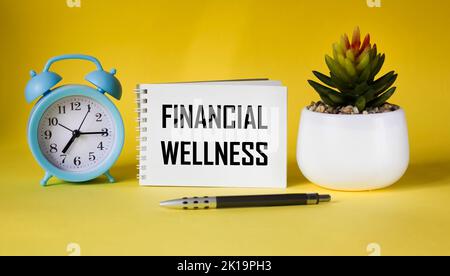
x,y
169,204
164,203
324,198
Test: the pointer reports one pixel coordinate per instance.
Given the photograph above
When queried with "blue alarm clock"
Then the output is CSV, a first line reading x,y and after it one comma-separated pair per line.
x,y
75,132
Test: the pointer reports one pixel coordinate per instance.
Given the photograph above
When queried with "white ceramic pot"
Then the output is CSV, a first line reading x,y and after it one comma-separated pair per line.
x,y
353,152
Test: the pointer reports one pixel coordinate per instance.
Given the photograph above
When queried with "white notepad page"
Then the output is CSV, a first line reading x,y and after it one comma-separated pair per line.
x,y
215,134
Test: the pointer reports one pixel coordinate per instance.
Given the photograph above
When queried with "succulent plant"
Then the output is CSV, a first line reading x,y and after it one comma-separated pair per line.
x,y
353,69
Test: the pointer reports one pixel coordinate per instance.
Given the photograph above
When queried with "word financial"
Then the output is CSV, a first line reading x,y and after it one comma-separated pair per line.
x,y
219,117
218,153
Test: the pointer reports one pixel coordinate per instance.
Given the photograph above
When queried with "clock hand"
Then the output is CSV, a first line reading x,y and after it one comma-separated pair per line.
x,y
84,119
63,126
75,133
93,133
66,148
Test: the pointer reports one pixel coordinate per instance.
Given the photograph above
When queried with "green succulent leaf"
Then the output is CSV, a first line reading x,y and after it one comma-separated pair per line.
x,y
361,103
341,60
373,63
383,98
376,67
336,69
385,82
384,79
350,55
374,52
370,95
325,79
340,48
336,97
365,75
350,68
365,61
366,51
327,100
361,89
342,86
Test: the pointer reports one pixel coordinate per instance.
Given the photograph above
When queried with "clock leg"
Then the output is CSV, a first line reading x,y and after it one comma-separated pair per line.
x,y
110,177
46,179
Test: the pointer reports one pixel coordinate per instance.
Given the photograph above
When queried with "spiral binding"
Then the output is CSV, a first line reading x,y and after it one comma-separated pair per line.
x,y
142,130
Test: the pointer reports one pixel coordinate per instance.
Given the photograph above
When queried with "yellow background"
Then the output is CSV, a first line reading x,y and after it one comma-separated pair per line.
x,y
181,40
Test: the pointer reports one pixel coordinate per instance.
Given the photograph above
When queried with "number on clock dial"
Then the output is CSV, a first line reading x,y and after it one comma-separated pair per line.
x,y
88,149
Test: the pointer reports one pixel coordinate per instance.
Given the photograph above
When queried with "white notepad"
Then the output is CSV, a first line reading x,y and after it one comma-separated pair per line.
x,y
215,134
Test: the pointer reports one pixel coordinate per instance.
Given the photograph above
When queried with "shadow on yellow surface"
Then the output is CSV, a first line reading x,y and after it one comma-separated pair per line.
x,y
125,173
295,177
425,175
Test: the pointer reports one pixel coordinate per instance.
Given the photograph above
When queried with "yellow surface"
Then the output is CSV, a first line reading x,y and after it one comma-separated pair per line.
x,y
178,40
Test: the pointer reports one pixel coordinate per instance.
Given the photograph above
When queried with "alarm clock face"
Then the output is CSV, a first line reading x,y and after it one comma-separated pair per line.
x,y
76,134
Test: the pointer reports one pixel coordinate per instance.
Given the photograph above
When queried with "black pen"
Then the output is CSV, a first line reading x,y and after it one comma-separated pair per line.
x,y
196,203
